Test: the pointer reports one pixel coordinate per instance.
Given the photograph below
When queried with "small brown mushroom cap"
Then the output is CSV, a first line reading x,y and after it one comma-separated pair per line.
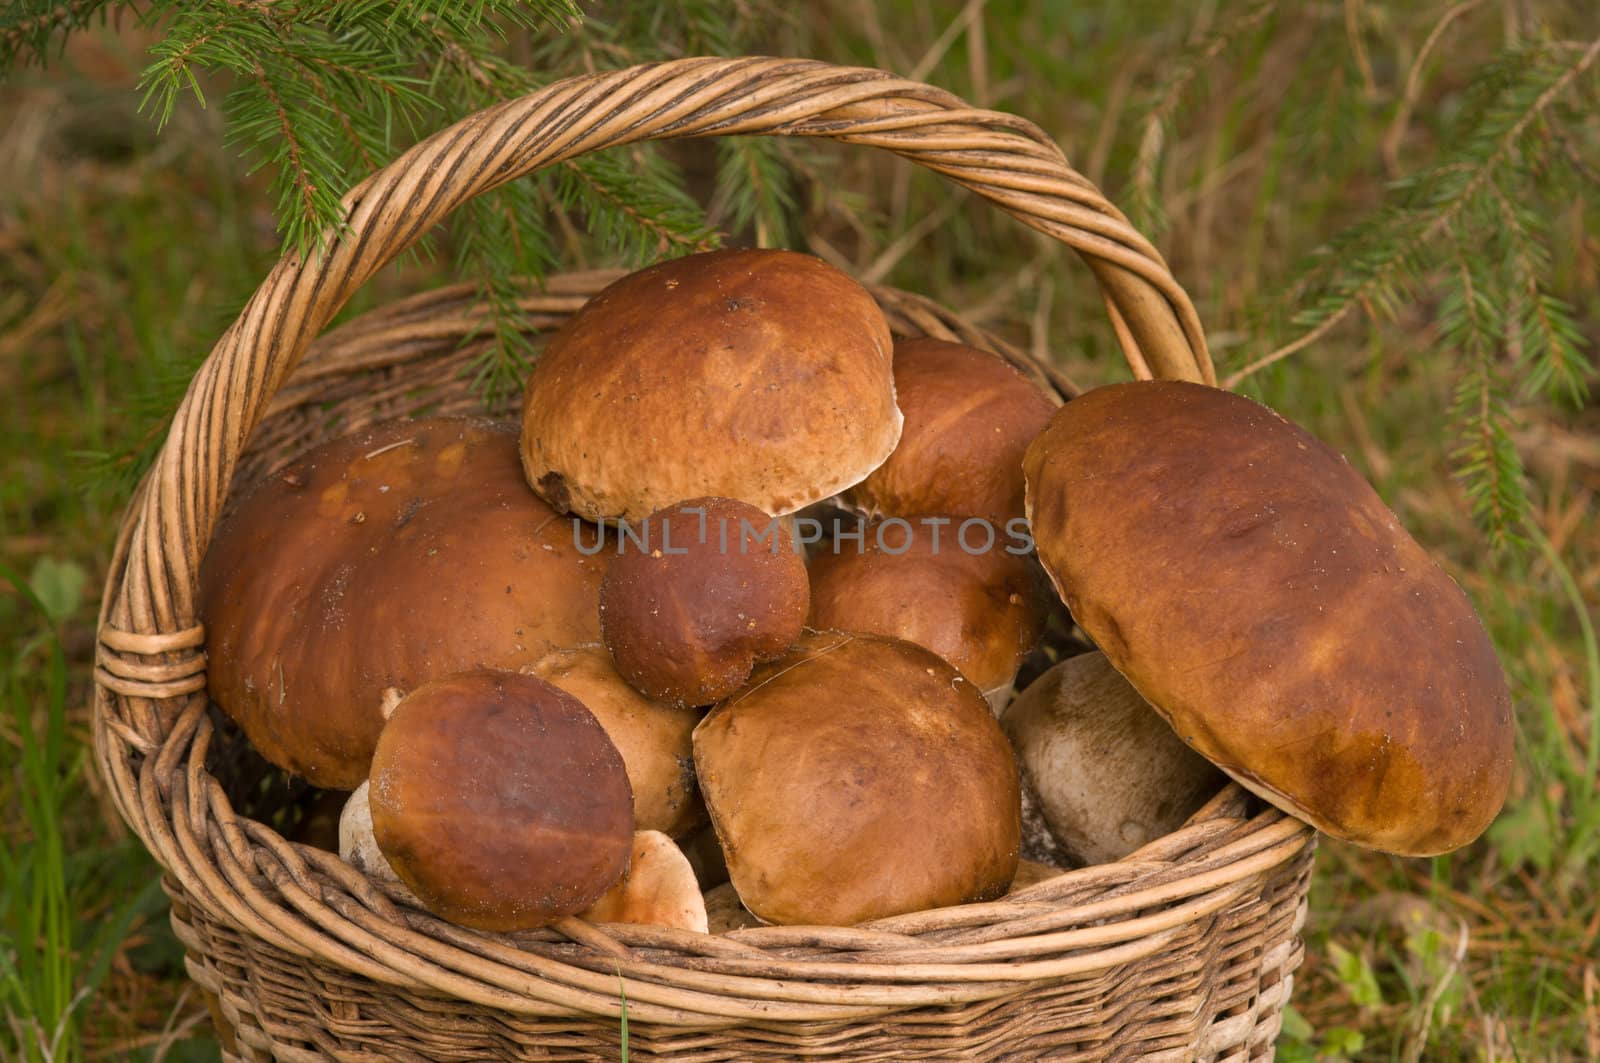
x,y
384,559
751,374
499,800
658,889
969,416
654,738
859,777
1109,773
1258,593
697,595
980,610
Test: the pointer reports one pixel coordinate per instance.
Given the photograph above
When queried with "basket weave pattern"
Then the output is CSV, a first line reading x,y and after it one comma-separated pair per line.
x,y
1183,951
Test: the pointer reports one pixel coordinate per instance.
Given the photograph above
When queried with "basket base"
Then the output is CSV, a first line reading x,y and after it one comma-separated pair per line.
x,y
1216,995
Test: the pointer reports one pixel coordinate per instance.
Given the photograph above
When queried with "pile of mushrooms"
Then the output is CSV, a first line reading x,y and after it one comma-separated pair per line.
x,y
726,631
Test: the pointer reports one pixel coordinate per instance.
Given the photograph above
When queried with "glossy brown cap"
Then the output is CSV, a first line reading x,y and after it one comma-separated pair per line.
x,y
499,800
658,889
758,375
859,777
653,737
1260,595
1109,774
382,560
697,595
969,418
979,609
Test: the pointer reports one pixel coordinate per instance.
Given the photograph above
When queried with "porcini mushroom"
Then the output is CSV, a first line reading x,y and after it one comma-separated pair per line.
x,y
381,560
759,375
710,588
1109,773
1259,594
969,416
658,889
499,801
859,777
972,602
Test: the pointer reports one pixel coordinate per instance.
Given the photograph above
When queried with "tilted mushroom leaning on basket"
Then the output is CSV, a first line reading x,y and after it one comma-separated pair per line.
x,y
1258,593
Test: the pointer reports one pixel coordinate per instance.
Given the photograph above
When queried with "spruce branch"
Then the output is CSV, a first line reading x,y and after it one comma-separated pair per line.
x,y
639,219
1487,461
28,27
1541,329
754,188
1372,264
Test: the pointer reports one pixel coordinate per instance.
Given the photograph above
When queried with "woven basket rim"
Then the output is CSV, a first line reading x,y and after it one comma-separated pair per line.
x,y
150,725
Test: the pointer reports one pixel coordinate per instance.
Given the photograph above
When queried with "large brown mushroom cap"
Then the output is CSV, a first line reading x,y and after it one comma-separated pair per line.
x,y
969,416
1259,594
499,800
653,737
381,560
859,777
708,588
758,375
979,610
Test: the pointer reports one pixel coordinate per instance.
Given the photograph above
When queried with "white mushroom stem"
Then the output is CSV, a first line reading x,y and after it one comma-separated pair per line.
x,y
1110,775
359,848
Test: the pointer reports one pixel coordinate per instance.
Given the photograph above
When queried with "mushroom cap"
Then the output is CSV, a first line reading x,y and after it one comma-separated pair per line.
x,y
658,889
399,553
690,605
981,611
1258,593
499,800
1109,774
751,374
969,416
859,777
654,738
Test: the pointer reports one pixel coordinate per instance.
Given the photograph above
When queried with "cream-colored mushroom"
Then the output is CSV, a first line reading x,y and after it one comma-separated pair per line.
x,y
358,847
1110,775
658,889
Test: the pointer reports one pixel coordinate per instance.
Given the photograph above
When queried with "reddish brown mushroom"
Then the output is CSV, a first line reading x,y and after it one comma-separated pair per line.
x,y
382,560
499,801
697,595
969,416
981,610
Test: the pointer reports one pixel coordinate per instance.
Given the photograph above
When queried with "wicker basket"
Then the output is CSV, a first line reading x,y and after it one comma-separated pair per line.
x,y
1183,951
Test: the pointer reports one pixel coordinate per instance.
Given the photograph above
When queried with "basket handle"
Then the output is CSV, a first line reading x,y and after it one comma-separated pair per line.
x,y
1008,160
